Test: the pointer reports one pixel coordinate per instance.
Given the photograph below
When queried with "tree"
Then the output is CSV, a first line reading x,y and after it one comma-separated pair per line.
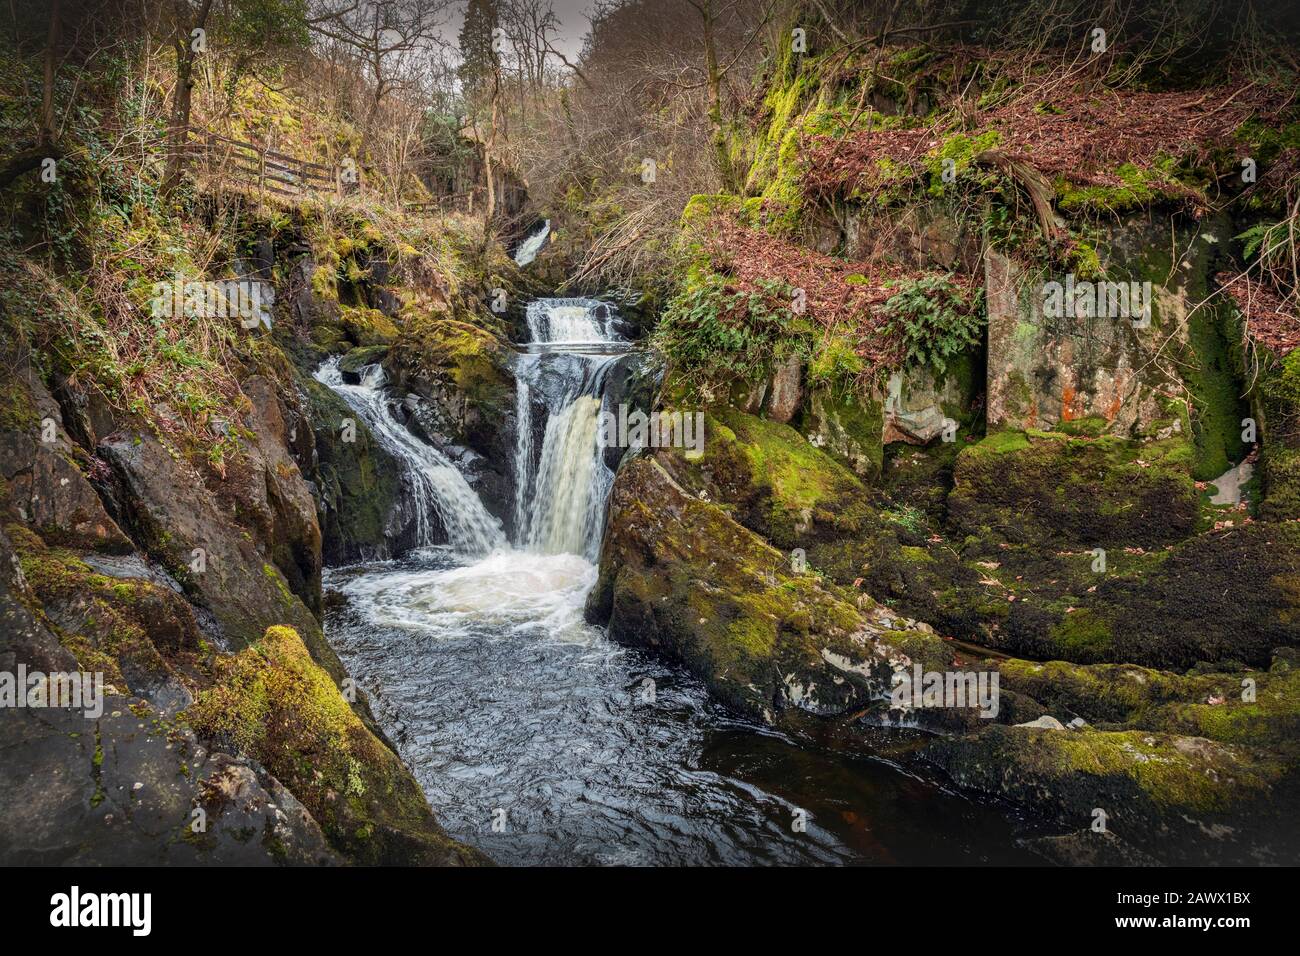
x,y
255,28
189,41
389,36
712,14
480,62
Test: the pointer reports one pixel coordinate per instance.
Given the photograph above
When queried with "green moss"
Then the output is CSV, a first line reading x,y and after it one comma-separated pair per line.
x,y
1084,635
1049,486
1138,189
368,327
272,702
272,574
1279,402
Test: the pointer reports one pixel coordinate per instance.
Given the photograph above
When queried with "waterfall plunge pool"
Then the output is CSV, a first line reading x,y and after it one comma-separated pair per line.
x,y
500,697
540,741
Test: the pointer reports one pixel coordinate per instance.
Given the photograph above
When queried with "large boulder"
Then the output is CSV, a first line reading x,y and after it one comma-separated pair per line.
x,y
1123,376
274,702
679,576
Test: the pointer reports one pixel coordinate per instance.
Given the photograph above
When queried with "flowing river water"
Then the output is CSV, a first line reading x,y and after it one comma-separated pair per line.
x,y
539,740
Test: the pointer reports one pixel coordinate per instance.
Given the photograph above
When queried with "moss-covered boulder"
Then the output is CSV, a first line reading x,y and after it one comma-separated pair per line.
x,y
1180,798
1051,487
274,703
771,479
679,576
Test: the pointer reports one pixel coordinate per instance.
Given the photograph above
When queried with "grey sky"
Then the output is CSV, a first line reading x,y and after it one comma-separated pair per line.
x,y
573,24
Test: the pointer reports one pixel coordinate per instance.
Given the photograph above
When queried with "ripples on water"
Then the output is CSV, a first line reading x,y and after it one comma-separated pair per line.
x,y
499,696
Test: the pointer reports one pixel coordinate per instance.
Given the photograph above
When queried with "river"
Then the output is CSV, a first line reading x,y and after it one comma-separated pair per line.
x,y
540,741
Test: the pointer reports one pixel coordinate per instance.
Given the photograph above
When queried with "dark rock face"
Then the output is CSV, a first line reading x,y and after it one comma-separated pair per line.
x,y
172,512
47,489
123,790
680,577
357,484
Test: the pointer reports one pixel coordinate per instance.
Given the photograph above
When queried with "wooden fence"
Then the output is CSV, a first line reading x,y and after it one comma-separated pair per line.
x,y
269,171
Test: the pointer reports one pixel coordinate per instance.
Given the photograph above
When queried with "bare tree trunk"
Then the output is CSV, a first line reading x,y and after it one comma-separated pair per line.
x,y
179,126
46,133
714,77
490,147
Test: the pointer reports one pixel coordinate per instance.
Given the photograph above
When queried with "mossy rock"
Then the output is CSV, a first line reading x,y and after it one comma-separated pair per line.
x,y
138,633
774,481
847,427
1181,798
1258,708
680,577
357,359
1279,403
368,327
1044,487
272,702
357,484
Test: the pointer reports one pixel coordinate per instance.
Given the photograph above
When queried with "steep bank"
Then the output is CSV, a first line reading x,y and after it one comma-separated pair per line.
x,y
906,438
169,502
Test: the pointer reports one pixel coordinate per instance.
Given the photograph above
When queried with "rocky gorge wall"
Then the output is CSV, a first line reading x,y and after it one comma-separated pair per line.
x,y
1063,499
230,731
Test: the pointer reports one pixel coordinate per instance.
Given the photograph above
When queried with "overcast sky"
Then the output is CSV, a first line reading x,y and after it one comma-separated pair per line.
x,y
573,24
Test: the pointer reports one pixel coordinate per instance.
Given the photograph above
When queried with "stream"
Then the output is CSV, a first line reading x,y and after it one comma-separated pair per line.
x,y
540,741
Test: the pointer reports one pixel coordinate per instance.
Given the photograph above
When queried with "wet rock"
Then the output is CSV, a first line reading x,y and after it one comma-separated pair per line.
x,y
678,576
1178,798
1089,848
275,703
123,789
358,484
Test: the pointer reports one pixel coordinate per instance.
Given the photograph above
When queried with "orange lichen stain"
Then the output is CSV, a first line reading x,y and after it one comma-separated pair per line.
x,y
1067,400
1113,408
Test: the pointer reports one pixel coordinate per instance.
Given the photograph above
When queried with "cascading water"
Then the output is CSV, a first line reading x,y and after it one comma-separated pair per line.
x,y
532,245
572,351
436,488
501,697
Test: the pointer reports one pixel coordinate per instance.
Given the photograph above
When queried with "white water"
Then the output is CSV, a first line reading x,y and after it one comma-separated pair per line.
x,y
435,486
530,247
566,502
498,694
570,322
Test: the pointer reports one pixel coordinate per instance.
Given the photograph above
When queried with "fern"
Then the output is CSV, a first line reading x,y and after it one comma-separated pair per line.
x,y
935,319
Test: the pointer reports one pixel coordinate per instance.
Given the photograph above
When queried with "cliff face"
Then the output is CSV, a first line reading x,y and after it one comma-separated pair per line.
x,y
179,555
1020,403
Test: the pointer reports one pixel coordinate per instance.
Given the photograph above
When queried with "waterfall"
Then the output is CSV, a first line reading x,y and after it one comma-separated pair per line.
x,y
523,450
570,321
531,246
561,508
434,484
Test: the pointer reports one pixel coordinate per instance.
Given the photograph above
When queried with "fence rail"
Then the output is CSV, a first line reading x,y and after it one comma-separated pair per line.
x,y
268,170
